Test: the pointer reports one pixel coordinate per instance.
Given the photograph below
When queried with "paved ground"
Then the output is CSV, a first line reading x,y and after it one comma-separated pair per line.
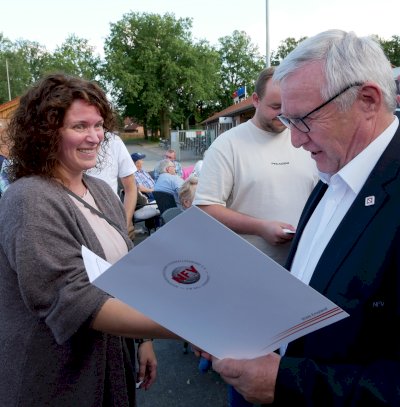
x,y
154,153
179,382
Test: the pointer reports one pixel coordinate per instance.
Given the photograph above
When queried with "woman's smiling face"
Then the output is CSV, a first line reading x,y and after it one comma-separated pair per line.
x,y
81,136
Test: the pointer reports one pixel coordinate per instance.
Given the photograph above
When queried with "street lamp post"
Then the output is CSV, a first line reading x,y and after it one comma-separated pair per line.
x,y
8,81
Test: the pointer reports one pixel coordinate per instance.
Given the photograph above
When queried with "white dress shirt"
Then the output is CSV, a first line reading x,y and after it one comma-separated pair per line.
x,y
343,187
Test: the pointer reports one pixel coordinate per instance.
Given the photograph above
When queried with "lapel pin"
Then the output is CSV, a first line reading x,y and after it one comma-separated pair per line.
x,y
369,200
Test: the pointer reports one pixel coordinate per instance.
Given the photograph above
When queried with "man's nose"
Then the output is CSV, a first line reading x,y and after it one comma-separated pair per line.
x,y
298,138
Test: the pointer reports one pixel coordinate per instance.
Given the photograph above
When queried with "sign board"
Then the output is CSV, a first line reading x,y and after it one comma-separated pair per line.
x,y
225,120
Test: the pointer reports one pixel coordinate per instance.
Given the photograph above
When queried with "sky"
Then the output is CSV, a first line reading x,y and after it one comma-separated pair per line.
x,y
50,22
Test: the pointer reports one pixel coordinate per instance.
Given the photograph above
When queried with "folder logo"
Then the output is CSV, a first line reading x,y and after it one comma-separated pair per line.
x,y
186,274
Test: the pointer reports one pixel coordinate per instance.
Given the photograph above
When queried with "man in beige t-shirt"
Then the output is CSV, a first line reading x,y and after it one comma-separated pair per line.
x,y
253,180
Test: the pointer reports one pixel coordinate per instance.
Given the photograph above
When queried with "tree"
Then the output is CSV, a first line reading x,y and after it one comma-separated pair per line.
x,y
285,47
75,56
392,49
21,58
155,69
241,63
28,61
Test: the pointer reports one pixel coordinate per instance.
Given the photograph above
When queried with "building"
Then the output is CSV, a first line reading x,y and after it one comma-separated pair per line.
x,y
229,117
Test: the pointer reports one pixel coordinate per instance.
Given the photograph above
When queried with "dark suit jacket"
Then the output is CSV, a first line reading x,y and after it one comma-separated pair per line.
x,y
355,361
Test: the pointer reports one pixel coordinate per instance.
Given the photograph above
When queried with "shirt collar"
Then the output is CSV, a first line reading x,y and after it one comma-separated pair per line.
x,y
356,172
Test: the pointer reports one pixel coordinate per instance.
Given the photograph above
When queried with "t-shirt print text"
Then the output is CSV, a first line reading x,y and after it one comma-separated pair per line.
x,y
280,163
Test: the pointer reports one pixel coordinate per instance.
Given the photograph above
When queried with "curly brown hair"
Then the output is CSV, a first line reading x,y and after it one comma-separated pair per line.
x,y
34,127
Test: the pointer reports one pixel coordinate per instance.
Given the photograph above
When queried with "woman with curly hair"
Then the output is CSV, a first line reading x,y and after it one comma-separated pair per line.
x,y
61,338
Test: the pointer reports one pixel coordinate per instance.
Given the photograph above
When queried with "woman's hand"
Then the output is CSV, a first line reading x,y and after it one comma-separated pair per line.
x,y
147,365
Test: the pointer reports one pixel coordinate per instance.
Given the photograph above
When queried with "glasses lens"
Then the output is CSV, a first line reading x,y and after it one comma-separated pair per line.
x,y
284,120
300,125
297,123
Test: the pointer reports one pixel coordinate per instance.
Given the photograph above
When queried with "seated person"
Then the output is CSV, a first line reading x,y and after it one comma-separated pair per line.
x,y
169,155
144,181
168,180
187,192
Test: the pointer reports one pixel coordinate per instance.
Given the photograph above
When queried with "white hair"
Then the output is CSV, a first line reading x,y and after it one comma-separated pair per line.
x,y
347,60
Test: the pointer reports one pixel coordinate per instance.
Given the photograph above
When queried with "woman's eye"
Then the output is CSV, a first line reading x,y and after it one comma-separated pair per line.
x,y
79,127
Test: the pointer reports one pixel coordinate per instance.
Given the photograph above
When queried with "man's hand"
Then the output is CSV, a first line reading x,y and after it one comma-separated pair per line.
x,y
273,232
254,379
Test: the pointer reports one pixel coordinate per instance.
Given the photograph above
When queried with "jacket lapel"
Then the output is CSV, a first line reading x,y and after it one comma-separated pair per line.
x,y
360,214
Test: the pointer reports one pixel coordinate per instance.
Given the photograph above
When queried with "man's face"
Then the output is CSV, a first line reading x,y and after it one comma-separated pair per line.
x,y
334,138
139,164
268,108
170,156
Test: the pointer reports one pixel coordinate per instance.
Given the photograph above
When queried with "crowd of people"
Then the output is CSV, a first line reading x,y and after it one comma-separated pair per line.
x,y
312,180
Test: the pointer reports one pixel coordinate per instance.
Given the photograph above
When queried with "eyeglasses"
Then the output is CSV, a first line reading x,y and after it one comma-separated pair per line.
x,y
299,122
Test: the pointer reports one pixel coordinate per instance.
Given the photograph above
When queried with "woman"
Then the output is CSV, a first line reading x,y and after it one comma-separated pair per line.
x,y
61,337
188,191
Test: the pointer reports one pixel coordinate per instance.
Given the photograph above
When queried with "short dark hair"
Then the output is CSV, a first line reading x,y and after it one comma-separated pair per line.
x,y
34,127
264,76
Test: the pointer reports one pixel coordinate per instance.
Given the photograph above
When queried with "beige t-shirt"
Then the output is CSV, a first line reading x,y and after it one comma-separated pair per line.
x,y
259,174
111,241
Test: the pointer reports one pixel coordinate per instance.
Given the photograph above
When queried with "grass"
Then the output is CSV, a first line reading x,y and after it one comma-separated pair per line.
x,y
134,138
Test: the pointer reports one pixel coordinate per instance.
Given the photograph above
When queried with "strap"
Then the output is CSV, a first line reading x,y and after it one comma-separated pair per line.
x,y
92,209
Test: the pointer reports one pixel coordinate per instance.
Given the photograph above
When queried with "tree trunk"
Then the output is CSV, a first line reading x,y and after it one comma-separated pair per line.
x,y
165,124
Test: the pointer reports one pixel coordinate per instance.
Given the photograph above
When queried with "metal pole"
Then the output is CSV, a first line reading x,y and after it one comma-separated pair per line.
x,y
267,56
8,81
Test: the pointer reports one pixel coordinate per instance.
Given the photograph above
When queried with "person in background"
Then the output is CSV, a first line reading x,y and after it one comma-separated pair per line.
x,y
3,141
4,152
169,155
253,180
61,338
168,181
187,192
144,181
338,99
117,166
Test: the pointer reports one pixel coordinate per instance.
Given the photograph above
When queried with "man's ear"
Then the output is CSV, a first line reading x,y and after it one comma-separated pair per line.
x,y
255,100
371,98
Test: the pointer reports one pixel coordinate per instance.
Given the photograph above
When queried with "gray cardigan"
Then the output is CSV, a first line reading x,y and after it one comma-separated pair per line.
x,y
49,355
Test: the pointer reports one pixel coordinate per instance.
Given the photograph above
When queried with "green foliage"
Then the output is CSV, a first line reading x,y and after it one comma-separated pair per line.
x,y
29,61
392,49
285,47
155,69
241,63
23,59
75,57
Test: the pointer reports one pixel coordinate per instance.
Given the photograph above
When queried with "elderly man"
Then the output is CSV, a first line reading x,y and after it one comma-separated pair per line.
x,y
338,98
168,180
169,155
